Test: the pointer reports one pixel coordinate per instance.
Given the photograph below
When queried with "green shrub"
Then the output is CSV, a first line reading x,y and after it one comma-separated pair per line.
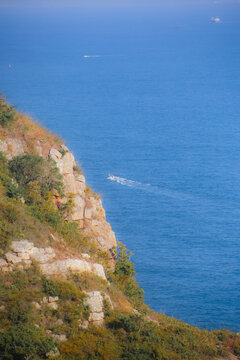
x,y
24,342
128,323
10,212
124,268
88,281
71,312
50,286
8,229
46,212
96,344
133,291
28,169
7,113
62,152
27,278
66,290
10,188
77,169
19,312
139,339
123,276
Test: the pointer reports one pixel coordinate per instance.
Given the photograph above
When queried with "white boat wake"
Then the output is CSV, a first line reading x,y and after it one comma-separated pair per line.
x,y
150,188
91,56
197,204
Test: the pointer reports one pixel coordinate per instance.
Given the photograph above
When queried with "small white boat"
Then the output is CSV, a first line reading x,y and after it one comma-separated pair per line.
x,y
111,177
91,56
215,19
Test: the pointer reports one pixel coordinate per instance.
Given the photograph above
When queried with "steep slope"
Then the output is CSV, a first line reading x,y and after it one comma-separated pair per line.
x,y
64,291
87,208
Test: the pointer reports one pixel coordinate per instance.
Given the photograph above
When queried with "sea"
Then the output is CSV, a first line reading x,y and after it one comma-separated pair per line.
x,y
149,94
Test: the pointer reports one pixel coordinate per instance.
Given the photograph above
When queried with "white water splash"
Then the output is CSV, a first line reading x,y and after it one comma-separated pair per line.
x,y
150,188
91,56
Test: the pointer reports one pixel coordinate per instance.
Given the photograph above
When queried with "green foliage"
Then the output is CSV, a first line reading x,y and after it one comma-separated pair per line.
x,y
19,311
134,293
10,187
28,169
24,342
7,113
35,180
87,281
8,216
71,306
123,276
96,344
77,169
72,312
17,292
50,286
229,340
141,339
62,152
66,290
128,323
28,278
124,267
46,212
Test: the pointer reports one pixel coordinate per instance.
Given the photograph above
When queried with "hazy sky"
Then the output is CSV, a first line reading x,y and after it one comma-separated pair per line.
x,y
95,3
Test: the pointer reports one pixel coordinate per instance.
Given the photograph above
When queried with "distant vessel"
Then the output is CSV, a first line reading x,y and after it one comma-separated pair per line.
x,y
111,177
215,19
91,56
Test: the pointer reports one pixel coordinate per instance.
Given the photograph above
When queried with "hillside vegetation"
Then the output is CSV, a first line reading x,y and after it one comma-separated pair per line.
x,y
50,316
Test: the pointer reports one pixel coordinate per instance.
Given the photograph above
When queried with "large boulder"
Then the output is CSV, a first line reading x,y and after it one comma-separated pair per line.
x,y
96,304
75,265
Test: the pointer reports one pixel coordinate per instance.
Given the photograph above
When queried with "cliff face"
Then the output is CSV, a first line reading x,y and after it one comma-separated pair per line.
x,y
87,208
87,211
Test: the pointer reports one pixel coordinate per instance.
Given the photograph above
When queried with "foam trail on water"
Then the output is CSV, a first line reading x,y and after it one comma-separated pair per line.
x,y
91,56
150,188
200,205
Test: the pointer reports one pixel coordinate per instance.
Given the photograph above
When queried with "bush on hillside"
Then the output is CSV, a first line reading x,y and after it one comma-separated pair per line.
x,y
7,113
28,169
24,342
96,344
10,188
124,267
9,214
123,275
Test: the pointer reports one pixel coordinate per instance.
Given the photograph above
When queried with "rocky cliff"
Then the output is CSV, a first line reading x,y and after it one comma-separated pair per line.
x,y
87,208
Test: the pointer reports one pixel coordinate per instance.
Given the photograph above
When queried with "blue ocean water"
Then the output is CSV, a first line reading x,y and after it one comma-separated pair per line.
x,y
152,96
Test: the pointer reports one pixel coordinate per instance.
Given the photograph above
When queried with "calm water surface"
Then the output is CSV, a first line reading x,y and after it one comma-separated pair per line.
x,y
157,102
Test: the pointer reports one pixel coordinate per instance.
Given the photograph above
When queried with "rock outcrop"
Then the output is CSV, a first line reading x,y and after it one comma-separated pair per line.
x,y
87,208
11,147
75,265
23,252
96,304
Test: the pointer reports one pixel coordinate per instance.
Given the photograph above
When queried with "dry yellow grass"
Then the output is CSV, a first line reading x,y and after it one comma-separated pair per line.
x,y
31,133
